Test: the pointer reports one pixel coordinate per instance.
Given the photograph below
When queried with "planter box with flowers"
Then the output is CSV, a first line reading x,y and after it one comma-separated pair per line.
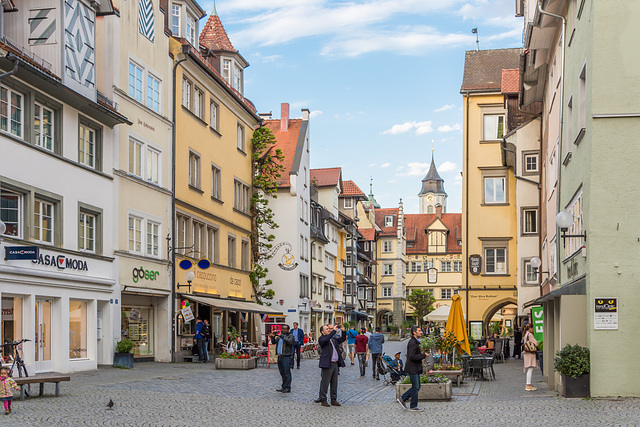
x,y
236,361
432,387
453,372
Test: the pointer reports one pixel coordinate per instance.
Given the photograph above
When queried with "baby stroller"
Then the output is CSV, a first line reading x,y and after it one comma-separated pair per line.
x,y
385,366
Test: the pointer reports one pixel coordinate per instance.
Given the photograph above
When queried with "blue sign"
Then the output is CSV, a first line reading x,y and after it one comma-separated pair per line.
x,y
21,252
292,310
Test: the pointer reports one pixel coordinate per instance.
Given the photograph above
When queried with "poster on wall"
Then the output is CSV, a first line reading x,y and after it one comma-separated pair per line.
x,y
538,323
476,330
432,276
605,314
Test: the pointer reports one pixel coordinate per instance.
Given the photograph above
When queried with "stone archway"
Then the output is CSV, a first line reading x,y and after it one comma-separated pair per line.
x,y
493,309
384,318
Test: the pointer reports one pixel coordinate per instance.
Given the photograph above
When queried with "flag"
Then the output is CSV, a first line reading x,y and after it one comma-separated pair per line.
x,y
264,317
474,31
243,317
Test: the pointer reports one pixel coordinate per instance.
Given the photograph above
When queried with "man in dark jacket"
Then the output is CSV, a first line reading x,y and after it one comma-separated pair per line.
x,y
413,368
298,336
330,361
284,349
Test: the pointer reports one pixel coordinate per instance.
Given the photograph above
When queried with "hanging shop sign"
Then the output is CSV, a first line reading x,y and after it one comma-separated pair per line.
x,y
187,314
21,252
605,314
432,276
61,262
475,264
537,314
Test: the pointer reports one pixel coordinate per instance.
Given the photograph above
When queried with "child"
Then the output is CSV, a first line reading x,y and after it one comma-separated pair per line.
x,y
398,366
7,384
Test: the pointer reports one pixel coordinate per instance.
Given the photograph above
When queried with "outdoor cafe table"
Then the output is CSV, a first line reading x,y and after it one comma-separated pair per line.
x,y
482,363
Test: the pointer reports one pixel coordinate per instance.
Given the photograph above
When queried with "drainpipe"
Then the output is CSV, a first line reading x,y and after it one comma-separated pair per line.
x,y
466,227
13,59
560,151
173,209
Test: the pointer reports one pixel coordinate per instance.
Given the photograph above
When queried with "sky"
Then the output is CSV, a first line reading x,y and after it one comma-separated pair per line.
x,y
380,77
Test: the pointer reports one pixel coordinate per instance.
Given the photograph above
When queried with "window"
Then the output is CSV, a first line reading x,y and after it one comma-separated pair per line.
x,y
191,30
495,260
386,291
237,78
213,243
145,19
135,158
231,251
153,93
11,212
569,119
198,106
582,98
445,266
43,221
240,137
573,244
87,146
314,284
530,221
319,252
329,262
366,246
348,203
241,198
197,237
153,165
430,209
11,111
175,19
186,93
87,232
194,169
530,277
304,286
494,190
387,246
388,221
437,242
306,248
77,329
349,260
135,81
245,255
493,127
43,126
213,115
427,265
153,239
387,269
445,293
415,267
457,266
216,182
531,163
135,234
226,70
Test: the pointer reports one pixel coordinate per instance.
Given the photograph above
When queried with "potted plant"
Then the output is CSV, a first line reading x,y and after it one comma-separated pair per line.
x,y
236,361
123,357
432,387
573,364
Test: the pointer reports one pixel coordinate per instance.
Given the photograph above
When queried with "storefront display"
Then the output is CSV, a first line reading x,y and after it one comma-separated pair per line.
x,y
77,329
11,324
137,325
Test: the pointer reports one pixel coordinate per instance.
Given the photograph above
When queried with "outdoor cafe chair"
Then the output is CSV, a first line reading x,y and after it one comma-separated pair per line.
x,y
487,365
499,350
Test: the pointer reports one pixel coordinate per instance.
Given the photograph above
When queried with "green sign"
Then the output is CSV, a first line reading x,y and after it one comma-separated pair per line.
x,y
538,322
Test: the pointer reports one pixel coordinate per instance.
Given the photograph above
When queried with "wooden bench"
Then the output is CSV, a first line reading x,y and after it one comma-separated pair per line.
x,y
41,379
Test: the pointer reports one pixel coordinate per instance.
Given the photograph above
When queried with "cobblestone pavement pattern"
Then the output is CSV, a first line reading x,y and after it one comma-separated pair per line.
x,y
182,394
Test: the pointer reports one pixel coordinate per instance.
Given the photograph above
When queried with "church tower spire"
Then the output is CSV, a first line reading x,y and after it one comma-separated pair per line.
x,y
432,192
372,199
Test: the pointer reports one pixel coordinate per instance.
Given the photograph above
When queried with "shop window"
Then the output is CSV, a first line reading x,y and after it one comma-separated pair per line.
x,y
11,325
137,325
77,329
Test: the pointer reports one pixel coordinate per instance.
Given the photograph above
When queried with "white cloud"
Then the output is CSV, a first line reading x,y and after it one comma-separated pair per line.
x,y
372,165
444,108
267,59
447,167
420,128
416,169
315,113
447,128
385,165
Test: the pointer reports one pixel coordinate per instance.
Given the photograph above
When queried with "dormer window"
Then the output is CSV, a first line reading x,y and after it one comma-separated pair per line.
x,y
183,22
232,73
226,70
437,242
191,30
388,221
237,78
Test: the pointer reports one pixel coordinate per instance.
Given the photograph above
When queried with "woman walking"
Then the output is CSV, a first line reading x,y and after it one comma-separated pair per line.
x,y
529,356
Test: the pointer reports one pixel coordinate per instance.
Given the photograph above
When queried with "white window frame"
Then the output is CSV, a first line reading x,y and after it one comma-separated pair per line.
x,y
187,87
445,293
416,267
41,138
226,69
198,102
87,231
237,78
214,113
153,164
153,239
175,16
534,156
136,73
216,182
194,169
529,274
445,267
134,228
386,292
348,203
39,218
457,266
427,265
491,131
154,89
574,244
525,223
495,250
387,269
241,196
86,147
232,251
191,30
19,212
437,241
7,122
388,221
494,180
240,138
387,246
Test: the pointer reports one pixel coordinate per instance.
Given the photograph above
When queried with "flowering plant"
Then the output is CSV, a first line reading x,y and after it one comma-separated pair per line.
x,y
428,343
428,379
238,355
446,367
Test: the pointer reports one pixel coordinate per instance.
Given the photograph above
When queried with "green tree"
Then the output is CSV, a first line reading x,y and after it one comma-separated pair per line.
x,y
267,166
422,303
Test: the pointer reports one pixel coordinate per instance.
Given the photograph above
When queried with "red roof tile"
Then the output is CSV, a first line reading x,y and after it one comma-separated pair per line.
x,y
327,177
214,36
349,188
483,69
287,141
368,233
387,231
510,81
416,223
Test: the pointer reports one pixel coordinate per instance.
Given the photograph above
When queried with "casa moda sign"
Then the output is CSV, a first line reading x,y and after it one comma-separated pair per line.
x,y
61,262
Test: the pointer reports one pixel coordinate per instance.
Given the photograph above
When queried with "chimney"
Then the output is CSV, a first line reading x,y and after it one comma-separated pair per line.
x,y
284,117
305,114
438,210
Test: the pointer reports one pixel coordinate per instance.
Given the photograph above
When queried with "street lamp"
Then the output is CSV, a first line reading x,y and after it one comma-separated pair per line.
x,y
188,276
536,263
564,220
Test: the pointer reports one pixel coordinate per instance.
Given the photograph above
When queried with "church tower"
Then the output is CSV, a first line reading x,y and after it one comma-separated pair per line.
x,y
432,193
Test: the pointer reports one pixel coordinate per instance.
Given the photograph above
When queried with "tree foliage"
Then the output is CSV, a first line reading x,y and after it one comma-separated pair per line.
x,y
267,168
422,303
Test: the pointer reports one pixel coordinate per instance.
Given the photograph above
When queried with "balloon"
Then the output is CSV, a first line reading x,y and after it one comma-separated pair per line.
x,y
187,303
184,303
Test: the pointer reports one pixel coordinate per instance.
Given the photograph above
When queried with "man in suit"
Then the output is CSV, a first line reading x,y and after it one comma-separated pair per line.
x,y
413,368
330,362
298,336
284,349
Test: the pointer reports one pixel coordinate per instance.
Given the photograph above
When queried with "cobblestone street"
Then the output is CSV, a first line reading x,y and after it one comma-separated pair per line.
x,y
196,394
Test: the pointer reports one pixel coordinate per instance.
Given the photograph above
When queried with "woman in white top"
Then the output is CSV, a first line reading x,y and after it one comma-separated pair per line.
x,y
529,357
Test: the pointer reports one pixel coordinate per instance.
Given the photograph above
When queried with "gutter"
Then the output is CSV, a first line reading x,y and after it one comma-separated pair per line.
x,y
15,61
466,228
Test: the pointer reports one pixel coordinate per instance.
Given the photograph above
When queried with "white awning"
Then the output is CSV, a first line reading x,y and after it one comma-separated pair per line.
x,y
133,290
233,305
440,314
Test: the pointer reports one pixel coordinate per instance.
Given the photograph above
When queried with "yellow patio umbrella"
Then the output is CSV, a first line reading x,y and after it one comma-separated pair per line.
x,y
456,324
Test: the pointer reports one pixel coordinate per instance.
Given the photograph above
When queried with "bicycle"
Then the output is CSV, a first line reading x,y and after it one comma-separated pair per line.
x,y
18,362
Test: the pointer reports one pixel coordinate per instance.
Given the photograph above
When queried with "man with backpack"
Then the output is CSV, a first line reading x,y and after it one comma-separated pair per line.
x,y
375,347
351,342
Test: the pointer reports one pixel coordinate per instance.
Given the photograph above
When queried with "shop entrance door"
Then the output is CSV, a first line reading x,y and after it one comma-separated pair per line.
x,y
43,336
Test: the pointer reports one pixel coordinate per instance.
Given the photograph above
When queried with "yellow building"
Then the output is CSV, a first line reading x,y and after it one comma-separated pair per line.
x,y
214,124
489,201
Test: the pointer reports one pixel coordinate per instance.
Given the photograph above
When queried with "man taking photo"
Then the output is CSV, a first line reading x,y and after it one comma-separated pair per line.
x,y
330,362
284,350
